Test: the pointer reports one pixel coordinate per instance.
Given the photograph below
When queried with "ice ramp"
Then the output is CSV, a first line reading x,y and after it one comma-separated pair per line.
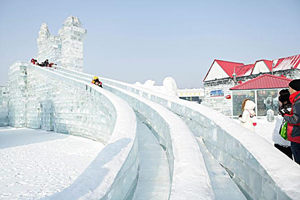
x,y
221,155
188,174
135,101
250,161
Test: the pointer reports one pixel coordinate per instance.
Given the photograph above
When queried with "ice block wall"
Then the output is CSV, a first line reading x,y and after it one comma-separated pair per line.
x,y
3,106
251,161
17,85
72,35
66,49
39,99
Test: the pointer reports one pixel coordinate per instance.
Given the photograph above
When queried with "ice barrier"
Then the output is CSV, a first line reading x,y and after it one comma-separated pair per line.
x,y
188,175
250,160
47,100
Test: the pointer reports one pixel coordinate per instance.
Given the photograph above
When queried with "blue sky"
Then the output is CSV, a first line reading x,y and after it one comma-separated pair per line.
x,y
137,40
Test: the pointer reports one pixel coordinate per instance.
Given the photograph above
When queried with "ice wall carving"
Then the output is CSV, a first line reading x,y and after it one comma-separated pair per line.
x,y
66,49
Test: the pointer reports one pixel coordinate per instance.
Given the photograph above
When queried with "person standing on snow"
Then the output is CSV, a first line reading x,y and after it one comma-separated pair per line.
x,y
248,119
293,119
284,107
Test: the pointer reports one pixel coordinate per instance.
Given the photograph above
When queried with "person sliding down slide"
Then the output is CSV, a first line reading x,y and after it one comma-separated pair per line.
x,y
96,81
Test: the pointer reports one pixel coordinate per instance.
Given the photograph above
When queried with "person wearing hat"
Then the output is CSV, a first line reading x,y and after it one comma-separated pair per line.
x,y
96,81
284,107
293,119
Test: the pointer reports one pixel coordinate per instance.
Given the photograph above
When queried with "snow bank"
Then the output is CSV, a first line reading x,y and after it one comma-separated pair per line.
x,y
37,163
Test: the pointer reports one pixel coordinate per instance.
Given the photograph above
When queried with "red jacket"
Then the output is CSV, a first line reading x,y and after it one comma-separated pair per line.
x,y
293,119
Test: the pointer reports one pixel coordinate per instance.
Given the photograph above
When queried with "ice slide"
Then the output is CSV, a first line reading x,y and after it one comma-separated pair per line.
x,y
162,118
250,161
220,190
187,171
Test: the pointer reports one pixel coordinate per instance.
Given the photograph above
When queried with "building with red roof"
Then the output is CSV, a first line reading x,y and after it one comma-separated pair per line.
x,y
225,77
263,90
221,69
265,81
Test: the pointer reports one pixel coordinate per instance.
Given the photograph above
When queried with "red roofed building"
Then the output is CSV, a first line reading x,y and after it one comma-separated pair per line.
x,y
221,69
224,75
287,63
266,81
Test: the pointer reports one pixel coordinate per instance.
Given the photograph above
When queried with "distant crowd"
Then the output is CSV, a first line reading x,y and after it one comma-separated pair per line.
x,y
286,134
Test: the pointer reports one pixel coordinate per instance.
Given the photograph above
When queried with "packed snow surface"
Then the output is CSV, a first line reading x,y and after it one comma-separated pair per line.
x,y
35,163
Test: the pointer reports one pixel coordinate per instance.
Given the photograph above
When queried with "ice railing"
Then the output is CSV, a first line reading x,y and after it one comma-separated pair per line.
x,y
187,170
252,162
48,100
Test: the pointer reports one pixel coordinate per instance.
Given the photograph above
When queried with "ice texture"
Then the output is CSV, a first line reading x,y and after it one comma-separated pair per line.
x,y
3,106
43,99
66,49
255,165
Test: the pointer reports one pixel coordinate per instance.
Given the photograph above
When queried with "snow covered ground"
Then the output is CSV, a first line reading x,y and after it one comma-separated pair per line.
x,y
264,128
35,163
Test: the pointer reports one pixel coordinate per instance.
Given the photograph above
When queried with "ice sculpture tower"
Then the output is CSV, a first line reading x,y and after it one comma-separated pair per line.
x,y
71,35
49,47
66,49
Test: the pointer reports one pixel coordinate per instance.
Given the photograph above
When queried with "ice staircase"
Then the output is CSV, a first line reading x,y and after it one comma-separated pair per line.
x,y
166,148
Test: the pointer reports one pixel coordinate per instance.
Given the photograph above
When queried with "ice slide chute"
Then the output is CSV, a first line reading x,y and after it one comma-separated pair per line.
x,y
211,133
255,170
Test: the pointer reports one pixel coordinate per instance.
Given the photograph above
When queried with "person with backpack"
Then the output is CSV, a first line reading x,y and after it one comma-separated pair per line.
x,y
293,119
284,108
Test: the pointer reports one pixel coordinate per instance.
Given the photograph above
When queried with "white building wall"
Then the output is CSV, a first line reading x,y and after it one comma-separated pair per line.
x,y
219,103
216,72
260,67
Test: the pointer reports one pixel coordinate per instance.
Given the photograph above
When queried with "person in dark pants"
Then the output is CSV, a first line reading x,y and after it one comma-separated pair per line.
x,y
293,119
284,107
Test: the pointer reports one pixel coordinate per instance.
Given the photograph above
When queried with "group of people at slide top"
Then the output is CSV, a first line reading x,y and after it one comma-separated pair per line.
x,y
288,120
96,81
42,64
46,63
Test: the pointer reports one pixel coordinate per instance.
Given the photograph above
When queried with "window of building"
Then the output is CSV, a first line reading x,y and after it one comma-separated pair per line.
x,y
267,99
237,100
